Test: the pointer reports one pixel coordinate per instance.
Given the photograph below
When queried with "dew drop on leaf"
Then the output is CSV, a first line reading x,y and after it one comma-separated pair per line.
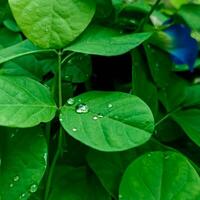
x,y
16,178
95,117
110,105
82,108
33,188
74,129
70,101
11,185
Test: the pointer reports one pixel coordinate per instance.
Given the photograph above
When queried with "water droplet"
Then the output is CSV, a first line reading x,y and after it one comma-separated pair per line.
x,y
82,108
95,117
70,101
45,157
11,185
120,196
74,129
149,154
33,188
12,135
61,119
16,178
166,157
22,196
100,115
110,105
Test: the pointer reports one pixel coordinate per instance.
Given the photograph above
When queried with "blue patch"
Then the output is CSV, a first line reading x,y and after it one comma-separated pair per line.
x,y
184,49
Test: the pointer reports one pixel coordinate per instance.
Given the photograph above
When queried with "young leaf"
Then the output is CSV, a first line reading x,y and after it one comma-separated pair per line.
x,y
104,41
24,102
23,161
159,175
52,24
108,121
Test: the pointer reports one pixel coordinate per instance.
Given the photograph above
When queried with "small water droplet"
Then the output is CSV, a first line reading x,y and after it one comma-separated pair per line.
x,y
74,129
120,196
11,185
22,196
82,108
100,115
70,101
16,178
149,154
33,188
45,157
61,119
12,135
110,105
95,117
166,157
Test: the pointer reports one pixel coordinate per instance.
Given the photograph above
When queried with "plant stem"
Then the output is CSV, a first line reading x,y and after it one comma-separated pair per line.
x,y
60,135
167,116
144,21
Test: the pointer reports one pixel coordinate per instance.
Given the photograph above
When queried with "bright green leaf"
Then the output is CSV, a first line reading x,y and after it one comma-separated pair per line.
x,y
106,41
108,121
52,24
160,176
24,102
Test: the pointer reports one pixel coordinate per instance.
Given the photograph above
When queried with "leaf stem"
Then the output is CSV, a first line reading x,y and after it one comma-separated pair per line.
x,y
60,135
144,21
167,116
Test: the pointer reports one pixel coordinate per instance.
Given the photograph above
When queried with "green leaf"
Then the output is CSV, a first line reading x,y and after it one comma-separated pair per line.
x,y
24,102
76,184
9,38
142,81
190,13
20,49
106,41
110,166
159,176
78,69
23,155
189,122
52,24
108,121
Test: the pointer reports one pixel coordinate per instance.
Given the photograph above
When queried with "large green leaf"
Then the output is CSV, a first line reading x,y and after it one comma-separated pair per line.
x,y
160,176
52,24
20,49
24,102
23,155
76,184
108,121
189,121
106,41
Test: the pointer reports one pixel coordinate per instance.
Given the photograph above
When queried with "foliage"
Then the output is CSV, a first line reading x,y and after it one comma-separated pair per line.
x,y
99,100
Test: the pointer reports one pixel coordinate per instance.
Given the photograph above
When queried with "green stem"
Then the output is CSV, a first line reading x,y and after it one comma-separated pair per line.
x,y
167,116
60,135
145,20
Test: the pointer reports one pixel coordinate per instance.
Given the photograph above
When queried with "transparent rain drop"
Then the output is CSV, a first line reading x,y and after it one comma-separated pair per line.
x,y
70,101
95,117
110,105
166,157
11,185
22,196
12,135
149,154
74,129
100,115
82,108
120,196
33,188
16,178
